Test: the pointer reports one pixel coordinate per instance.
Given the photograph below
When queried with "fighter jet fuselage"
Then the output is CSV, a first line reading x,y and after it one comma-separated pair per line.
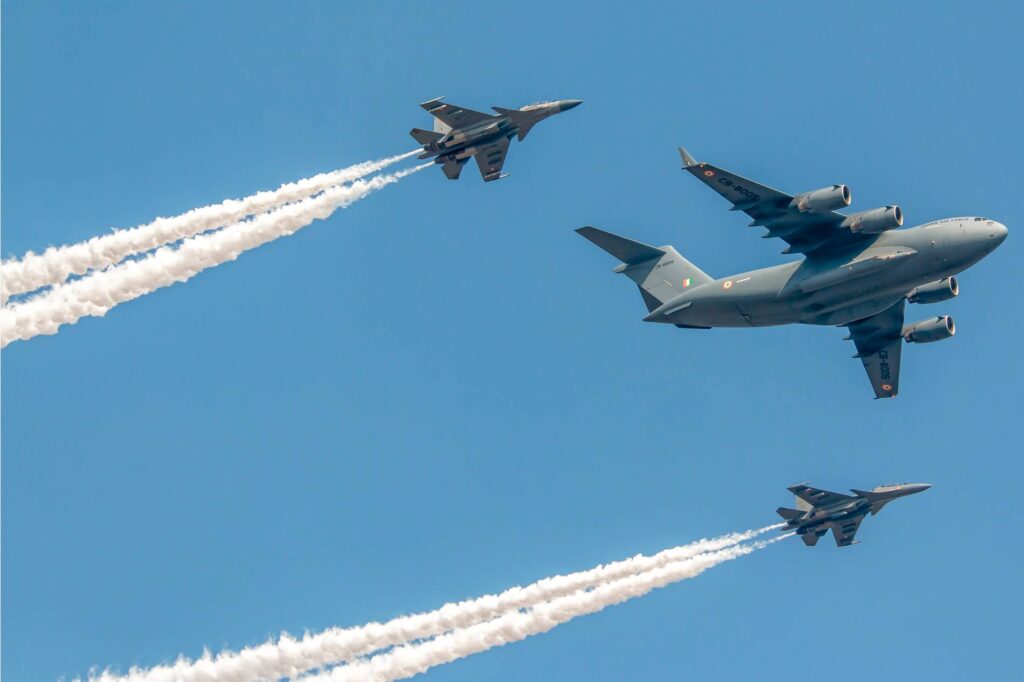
x,y
845,287
819,511
467,142
461,134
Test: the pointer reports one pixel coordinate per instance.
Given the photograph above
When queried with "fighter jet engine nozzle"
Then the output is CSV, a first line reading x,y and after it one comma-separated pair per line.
x,y
874,221
934,292
929,331
823,200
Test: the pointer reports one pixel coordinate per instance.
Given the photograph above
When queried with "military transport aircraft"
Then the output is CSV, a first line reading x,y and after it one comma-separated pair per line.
x,y
460,134
858,271
819,510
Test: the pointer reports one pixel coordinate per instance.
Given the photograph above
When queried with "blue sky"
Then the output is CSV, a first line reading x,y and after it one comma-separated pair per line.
x,y
442,391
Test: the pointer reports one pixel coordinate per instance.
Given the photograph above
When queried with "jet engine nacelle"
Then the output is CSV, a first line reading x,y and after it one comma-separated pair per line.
x,y
928,331
874,221
826,199
943,290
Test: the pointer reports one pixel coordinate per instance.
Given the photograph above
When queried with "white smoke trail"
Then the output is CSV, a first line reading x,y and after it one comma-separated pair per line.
x,y
56,264
288,657
412,659
98,293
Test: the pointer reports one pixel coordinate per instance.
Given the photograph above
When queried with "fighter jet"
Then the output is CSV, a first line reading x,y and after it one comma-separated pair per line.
x,y
858,270
819,510
460,134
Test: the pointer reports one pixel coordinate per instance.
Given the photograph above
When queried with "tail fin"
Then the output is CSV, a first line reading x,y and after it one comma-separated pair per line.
x,y
441,127
425,136
660,272
524,120
789,514
810,539
453,169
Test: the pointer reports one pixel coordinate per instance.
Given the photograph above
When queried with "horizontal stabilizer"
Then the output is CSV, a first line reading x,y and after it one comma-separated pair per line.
x,y
425,136
626,250
789,514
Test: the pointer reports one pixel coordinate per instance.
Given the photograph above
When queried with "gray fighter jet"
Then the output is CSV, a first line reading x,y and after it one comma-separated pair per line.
x,y
819,510
460,134
858,271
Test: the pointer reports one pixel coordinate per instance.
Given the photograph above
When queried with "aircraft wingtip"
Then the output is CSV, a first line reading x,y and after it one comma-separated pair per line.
x,y
687,158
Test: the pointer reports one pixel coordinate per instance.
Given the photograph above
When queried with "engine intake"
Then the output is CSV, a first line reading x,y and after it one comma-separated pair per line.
x,y
929,331
934,292
826,199
874,221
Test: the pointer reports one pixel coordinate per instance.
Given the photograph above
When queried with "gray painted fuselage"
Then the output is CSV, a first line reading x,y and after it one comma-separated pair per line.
x,y
848,286
464,142
819,511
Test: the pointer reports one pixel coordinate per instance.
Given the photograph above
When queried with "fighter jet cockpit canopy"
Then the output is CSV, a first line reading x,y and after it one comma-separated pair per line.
x,y
537,105
888,486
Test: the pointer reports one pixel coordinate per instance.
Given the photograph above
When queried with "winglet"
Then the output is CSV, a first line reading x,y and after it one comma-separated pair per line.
x,y
688,160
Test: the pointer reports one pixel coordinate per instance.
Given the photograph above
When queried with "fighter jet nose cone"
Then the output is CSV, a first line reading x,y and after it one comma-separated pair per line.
x,y
568,104
920,487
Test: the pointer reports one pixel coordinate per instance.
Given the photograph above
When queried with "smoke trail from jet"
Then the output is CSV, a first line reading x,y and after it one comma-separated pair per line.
x,y
412,659
56,264
96,294
288,657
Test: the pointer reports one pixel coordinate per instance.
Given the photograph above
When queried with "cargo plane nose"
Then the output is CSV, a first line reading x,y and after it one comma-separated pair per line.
x,y
985,235
997,231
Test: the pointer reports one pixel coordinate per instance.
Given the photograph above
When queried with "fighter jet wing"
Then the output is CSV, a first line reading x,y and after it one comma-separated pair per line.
x,y
879,344
807,232
818,498
455,116
845,531
491,158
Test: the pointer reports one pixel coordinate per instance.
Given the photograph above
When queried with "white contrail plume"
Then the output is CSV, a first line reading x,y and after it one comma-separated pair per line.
x,y
412,659
288,657
98,293
56,264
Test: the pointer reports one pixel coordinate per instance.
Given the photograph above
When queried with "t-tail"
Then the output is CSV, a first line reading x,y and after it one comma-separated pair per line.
x,y
659,271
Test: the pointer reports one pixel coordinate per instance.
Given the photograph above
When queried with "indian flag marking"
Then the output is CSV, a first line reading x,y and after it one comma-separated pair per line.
x,y
686,282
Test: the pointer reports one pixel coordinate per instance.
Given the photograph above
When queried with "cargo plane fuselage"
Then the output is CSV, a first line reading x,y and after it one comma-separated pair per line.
x,y
842,288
